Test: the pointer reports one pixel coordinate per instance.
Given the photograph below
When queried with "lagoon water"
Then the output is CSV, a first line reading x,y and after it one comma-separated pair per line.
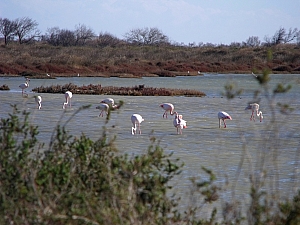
x,y
243,148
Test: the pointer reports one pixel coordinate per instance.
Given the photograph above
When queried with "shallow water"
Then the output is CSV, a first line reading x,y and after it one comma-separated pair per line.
x,y
202,143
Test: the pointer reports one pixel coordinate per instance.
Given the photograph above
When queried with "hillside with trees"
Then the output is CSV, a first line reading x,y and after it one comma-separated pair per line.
x,y
142,52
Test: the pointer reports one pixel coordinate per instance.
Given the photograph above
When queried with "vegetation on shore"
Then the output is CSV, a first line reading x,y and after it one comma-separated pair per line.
x,y
98,89
142,52
39,59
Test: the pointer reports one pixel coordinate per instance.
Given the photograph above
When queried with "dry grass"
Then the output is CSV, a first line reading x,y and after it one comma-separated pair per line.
x,y
137,61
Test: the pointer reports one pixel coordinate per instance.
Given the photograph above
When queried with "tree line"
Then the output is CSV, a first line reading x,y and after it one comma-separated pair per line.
x,y
25,30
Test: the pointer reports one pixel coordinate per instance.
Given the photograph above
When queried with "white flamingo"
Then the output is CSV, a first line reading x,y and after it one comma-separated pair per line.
x,y
168,107
24,85
255,108
254,74
68,96
223,116
179,123
110,102
136,120
104,108
38,100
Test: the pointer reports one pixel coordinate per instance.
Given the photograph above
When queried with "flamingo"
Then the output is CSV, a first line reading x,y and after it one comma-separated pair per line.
x,y
38,100
167,107
110,102
68,96
104,108
223,116
255,107
179,123
254,74
24,85
136,120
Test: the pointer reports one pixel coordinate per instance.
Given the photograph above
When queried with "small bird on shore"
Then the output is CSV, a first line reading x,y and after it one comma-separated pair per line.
x,y
254,74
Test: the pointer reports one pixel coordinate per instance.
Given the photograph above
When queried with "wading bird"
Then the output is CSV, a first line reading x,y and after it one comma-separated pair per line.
x,y
24,85
38,100
254,74
104,108
136,120
110,102
168,107
179,123
68,96
223,116
255,108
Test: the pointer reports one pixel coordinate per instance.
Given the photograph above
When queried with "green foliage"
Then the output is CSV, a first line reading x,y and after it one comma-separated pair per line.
x,y
80,181
232,91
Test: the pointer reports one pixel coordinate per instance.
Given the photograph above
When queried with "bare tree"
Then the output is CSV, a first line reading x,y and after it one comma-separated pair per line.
x,y
235,44
83,33
67,38
107,39
52,36
7,29
146,36
26,29
298,38
279,36
252,41
291,35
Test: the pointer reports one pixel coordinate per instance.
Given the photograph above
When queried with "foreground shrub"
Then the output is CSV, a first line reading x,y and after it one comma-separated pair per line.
x,y
75,180
78,181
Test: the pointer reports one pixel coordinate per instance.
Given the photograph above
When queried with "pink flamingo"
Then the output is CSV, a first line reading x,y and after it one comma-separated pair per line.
x,y
24,85
167,107
68,96
136,120
255,107
38,100
104,108
110,102
179,123
223,116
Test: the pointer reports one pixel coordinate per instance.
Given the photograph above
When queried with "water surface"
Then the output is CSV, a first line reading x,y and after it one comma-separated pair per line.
x,y
202,143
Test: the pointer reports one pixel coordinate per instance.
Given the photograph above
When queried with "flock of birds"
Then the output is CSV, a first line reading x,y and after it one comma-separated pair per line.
x,y
136,119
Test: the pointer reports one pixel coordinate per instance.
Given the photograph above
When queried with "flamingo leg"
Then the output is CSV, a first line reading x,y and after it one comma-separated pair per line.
x,y
166,114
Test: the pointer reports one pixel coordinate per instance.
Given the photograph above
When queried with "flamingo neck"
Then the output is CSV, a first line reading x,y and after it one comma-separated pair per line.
x,y
133,129
259,113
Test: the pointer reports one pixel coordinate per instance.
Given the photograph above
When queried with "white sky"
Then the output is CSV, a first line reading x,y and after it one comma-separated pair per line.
x,y
187,21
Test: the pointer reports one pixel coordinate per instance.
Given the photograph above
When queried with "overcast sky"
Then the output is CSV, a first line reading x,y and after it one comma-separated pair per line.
x,y
187,21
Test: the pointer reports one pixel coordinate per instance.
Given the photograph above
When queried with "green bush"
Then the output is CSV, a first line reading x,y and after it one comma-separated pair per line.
x,y
79,181
75,180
